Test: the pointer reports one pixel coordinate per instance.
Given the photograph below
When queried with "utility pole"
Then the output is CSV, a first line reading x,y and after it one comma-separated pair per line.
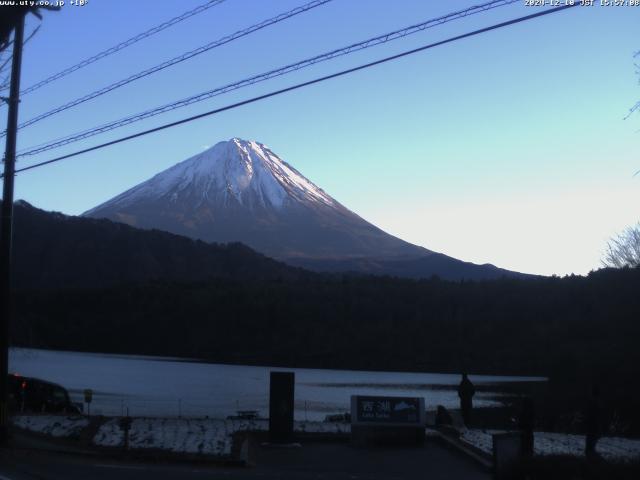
x,y
6,227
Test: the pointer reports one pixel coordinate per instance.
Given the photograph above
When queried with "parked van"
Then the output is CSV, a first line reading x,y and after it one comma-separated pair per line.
x,y
28,394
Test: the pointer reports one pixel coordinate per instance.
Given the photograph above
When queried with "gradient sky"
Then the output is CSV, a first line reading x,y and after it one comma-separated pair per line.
x,y
508,148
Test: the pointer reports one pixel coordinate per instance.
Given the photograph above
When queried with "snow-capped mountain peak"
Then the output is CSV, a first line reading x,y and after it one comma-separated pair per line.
x,y
235,171
240,190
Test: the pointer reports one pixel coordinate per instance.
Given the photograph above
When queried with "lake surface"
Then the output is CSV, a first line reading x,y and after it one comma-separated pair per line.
x,y
157,386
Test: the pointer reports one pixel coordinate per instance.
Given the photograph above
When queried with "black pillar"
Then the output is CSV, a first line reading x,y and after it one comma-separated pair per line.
x,y
281,407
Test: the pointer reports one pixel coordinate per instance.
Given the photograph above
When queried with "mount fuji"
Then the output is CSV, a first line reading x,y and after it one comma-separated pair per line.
x,y
242,191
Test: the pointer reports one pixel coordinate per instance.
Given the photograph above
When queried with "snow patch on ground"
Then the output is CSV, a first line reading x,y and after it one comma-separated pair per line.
x,y
547,443
54,425
109,434
208,437
205,436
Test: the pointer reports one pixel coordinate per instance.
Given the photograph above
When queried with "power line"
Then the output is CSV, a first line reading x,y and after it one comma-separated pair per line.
x,y
636,107
380,39
5,46
5,63
122,45
8,60
176,60
301,85
31,35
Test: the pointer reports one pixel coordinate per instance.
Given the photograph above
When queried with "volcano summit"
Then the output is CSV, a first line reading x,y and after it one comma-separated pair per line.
x,y
241,191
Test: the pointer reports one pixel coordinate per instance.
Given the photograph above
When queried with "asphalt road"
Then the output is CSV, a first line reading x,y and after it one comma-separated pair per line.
x,y
311,461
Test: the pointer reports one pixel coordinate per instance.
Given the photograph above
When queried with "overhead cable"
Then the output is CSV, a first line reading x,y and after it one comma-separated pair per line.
x,y
122,45
380,39
298,86
176,60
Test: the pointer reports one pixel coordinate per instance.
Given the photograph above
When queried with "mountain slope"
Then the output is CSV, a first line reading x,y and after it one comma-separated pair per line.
x,y
240,191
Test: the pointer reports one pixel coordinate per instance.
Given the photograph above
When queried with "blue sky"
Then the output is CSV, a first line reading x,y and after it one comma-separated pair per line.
x,y
508,148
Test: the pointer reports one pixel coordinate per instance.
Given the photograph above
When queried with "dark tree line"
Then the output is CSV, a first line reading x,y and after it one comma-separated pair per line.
x,y
576,330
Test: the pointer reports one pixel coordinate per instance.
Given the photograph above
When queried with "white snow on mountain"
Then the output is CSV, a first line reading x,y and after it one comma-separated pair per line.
x,y
246,172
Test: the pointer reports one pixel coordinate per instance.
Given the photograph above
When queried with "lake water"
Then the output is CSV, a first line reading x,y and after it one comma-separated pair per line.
x,y
156,386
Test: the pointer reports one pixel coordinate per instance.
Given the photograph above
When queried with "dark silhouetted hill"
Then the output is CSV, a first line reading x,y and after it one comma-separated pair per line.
x,y
52,250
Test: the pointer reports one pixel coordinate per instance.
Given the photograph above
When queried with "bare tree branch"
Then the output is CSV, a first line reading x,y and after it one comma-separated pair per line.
x,y
624,249
636,107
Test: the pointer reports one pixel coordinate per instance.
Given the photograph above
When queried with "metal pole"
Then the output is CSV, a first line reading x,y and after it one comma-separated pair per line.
x,y
6,228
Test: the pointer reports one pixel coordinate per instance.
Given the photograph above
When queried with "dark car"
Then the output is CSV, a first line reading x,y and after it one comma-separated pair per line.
x,y
28,394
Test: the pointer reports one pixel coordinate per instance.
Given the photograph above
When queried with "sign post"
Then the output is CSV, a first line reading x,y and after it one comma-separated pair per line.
x,y
395,420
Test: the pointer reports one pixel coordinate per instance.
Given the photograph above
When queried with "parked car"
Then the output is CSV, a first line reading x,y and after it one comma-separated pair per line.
x,y
27,394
